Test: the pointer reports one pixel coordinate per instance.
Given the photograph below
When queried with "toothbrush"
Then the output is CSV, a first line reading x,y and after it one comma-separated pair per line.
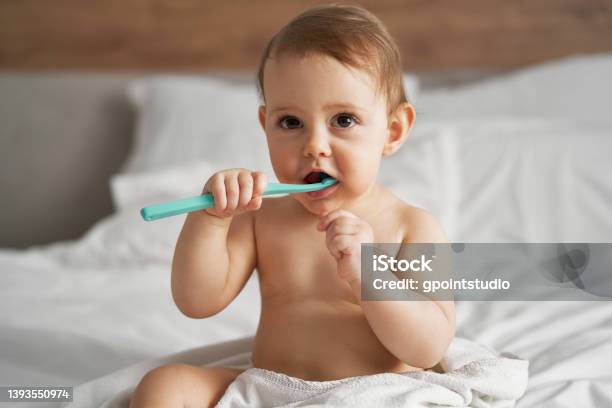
x,y
201,202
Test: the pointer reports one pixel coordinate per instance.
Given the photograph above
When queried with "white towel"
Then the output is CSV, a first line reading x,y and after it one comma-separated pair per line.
x,y
474,376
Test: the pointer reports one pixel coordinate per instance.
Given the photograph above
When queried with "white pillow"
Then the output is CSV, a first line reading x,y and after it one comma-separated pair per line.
x,y
577,88
423,172
412,87
504,179
151,187
124,238
184,119
537,180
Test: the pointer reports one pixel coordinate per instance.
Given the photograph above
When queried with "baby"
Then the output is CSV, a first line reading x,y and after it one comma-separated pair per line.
x,y
333,104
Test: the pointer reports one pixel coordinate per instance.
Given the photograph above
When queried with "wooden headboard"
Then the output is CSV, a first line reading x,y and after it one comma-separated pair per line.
x,y
66,126
195,35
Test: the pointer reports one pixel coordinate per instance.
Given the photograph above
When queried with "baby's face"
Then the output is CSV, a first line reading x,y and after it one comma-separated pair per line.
x,y
321,116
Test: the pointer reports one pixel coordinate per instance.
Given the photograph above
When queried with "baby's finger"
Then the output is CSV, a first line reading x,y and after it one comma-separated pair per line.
x,y
232,190
329,218
217,188
245,183
255,203
344,226
260,183
340,245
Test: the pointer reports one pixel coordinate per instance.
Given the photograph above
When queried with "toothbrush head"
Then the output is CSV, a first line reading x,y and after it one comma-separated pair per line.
x,y
328,181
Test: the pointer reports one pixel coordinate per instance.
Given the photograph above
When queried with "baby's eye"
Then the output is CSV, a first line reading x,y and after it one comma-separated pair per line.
x,y
290,122
345,120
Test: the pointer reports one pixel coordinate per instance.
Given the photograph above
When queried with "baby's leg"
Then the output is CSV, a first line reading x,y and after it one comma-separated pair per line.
x,y
182,385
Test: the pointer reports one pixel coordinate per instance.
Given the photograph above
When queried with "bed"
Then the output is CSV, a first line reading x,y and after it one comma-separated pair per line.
x,y
517,157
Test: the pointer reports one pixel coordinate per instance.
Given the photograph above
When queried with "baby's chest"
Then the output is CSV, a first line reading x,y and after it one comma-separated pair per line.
x,y
297,258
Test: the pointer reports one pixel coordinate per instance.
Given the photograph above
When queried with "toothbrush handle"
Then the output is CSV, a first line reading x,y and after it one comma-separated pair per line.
x,y
201,202
185,205
157,211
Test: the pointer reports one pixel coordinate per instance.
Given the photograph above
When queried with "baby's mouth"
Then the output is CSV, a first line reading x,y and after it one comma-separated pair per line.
x,y
315,177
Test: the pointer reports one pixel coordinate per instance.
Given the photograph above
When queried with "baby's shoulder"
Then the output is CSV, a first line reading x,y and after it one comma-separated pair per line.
x,y
418,225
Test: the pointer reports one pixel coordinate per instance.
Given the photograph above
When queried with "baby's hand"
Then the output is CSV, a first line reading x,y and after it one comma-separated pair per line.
x,y
345,233
235,191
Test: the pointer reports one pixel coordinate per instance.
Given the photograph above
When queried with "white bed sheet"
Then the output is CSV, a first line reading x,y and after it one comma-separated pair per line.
x,y
66,325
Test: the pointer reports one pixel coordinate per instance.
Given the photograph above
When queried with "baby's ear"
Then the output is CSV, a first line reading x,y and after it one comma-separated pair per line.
x,y
262,116
400,123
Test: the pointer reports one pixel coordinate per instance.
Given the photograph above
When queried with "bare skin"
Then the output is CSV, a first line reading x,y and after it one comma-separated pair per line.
x,y
182,385
306,247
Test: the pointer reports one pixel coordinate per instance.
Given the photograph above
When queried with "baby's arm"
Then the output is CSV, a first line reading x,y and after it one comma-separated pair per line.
x,y
215,253
418,332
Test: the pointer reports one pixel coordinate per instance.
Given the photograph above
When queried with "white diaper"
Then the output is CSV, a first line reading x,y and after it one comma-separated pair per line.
x,y
475,376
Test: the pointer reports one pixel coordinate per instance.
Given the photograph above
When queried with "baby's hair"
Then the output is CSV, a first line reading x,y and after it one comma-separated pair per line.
x,y
350,34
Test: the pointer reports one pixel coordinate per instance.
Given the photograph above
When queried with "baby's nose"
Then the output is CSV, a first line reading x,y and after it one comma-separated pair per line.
x,y
317,145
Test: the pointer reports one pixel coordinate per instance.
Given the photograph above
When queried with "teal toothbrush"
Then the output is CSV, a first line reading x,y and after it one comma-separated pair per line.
x,y
201,202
